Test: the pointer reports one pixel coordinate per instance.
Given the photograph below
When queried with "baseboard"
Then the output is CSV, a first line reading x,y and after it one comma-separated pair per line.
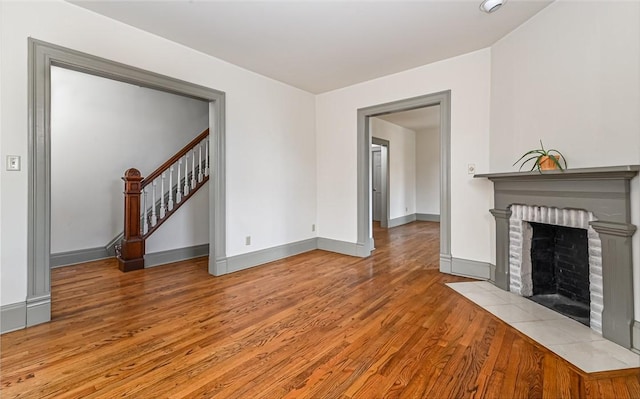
x,y
445,263
364,250
38,310
13,317
470,268
251,259
402,220
175,255
427,217
341,247
79,256
635,336
218,267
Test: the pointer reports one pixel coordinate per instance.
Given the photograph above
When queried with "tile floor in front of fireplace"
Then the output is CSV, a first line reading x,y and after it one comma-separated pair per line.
x,y
574,342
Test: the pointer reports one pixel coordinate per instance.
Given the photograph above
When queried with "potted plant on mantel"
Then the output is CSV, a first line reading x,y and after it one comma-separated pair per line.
x,y
543,159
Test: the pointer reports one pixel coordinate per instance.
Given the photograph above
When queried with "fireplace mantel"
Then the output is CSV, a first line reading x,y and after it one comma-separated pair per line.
x,y
603,191
612,172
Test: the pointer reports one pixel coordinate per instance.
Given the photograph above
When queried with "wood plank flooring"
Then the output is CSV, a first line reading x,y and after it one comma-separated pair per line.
x,y
316,325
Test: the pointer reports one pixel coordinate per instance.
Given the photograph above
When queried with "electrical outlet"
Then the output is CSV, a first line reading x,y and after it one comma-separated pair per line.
x,y
13,162
313,227
247,240
471,169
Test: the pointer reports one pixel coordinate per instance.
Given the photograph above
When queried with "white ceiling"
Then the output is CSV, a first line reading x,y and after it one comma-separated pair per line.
x,y
416,119
320,46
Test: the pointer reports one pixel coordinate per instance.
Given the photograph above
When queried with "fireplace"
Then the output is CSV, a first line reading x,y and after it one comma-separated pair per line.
x,y
595,200
555,259
560,270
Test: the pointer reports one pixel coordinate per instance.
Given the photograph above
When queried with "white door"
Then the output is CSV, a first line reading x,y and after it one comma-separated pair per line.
x,y
376,174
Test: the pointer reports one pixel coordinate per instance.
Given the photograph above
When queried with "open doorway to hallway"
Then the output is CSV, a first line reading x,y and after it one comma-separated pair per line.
x,y
101,127
365,117
42,57
405,172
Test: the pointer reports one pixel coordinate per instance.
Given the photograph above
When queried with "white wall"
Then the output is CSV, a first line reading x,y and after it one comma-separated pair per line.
x,y
428,171
99,129
271,155
468,79
402,166
571,77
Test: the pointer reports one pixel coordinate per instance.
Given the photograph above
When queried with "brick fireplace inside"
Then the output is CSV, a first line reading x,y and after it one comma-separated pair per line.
x,y
563,238
555,259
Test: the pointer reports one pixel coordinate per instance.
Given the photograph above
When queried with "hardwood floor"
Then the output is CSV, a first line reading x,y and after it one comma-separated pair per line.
x,y
316,325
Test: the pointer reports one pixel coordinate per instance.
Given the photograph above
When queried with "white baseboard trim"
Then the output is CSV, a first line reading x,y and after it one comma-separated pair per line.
x,y
79,256
13,317
470,268
175,255
402,220
427,217
257,258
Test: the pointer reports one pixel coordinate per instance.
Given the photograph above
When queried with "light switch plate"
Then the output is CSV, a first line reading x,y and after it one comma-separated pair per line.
x,y
13,162
471,168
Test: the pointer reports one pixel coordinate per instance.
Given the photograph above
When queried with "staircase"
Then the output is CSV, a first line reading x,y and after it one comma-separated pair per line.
x,y
150,201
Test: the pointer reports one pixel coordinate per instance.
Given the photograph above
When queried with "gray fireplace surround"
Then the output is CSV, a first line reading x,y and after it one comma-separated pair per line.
x,y
605,192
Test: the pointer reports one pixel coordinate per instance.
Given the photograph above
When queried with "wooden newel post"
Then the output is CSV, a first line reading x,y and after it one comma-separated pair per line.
x,y
131,255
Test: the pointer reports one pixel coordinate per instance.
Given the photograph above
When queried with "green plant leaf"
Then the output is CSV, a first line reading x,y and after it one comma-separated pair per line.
x,y
541,152
536,157
527,154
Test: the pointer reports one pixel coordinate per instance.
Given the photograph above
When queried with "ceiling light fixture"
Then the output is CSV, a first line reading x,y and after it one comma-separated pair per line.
x,y
490,6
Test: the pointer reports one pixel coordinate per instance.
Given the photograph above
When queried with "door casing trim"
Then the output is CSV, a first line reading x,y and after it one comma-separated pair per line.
x,y
443,99
42,56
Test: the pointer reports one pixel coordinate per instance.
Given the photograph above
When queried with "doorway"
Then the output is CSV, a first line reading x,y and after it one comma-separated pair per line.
x,y
42,56
380,184
443,99
376,182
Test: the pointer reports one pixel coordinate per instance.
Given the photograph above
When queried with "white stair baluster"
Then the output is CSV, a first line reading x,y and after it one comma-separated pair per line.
x,y
186,174
170,202
154,218
193,169
178,187
163,210
206,156
200,162
145,222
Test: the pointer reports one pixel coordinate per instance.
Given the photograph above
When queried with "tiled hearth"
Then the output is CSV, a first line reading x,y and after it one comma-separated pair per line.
x,y
574,342
594,199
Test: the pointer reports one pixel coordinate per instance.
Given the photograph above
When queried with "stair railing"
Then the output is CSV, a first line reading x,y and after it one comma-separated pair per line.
x,y
145,209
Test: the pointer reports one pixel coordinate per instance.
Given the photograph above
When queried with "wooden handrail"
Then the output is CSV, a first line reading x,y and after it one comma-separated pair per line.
x,y
175,208
156,173
132,248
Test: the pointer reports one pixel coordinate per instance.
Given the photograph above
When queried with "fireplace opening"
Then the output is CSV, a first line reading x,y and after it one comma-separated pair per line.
x,y
560,270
